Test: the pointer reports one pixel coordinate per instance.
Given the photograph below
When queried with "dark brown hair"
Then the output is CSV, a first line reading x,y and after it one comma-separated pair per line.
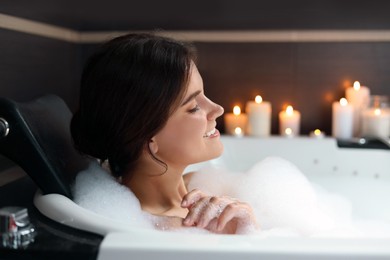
x,y
129,88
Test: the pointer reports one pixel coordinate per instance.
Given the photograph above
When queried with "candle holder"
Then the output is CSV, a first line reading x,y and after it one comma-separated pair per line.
x,y
376,118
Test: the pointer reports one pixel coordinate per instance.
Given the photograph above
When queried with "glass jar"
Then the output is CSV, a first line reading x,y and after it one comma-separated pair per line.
x,y
376,118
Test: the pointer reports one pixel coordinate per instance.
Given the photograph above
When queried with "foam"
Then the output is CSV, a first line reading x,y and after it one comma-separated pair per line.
x,y
96,190
285,202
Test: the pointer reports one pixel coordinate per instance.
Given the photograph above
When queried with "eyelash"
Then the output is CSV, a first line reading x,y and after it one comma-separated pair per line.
x,y
196,108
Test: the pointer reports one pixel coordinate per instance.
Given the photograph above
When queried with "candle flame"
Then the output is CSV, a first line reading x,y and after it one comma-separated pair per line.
x,y
317,132
238,130
289,110
356,85
258,99
377,112
288,131
236,110
343,102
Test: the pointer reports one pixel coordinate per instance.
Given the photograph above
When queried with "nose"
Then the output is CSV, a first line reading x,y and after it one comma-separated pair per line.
x,y
215,111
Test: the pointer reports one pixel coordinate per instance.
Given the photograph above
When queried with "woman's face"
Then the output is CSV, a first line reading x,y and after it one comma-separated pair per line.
x,y
190,135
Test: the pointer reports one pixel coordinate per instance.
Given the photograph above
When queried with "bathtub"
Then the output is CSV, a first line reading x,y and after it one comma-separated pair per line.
x,y
361,175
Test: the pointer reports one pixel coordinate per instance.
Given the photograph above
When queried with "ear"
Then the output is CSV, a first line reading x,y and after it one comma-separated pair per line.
x,y
153,146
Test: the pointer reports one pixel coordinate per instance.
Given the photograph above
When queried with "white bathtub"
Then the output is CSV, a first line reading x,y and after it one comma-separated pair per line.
x,y
339,170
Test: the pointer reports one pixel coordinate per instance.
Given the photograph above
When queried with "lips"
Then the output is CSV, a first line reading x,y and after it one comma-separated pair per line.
x,y
210,133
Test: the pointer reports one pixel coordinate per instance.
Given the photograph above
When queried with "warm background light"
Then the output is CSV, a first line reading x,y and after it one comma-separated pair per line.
x,y
289,110
236,110
377,112
356,85
317,132
258,99
343,101
238,131
288,131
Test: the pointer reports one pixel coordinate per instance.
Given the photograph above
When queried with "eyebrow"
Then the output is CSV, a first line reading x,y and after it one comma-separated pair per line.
x,y
191,97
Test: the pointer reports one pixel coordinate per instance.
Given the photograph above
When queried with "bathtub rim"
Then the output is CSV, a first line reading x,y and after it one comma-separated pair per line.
x,y
198,246
124,238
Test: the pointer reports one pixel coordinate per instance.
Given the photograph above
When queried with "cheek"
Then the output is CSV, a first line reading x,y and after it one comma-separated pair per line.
x,y
195,127
182,137
187,128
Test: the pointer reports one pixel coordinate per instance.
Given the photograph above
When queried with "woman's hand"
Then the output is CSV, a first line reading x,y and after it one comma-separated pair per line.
x,y
218,214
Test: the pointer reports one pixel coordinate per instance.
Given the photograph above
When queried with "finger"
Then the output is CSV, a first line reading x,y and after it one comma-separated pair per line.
x,y
211,211
195,211
192,197
235,210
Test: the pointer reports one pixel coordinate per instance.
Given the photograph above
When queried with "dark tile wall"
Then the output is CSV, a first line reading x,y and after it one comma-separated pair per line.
x,y
310,76
204,14
31,66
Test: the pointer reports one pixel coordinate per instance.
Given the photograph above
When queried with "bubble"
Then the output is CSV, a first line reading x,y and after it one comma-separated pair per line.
x,y
284,201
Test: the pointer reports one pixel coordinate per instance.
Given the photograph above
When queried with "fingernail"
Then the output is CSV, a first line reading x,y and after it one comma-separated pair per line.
x,y
184,203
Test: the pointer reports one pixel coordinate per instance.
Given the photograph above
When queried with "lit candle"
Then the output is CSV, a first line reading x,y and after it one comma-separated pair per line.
x,y
342,119
359,97
234,120
376,123
317,133
259,117
289,118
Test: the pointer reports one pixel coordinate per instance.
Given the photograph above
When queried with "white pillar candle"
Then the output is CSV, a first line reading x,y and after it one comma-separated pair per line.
x,y
376,123
290,120
234,120
359,97
259,117
342,119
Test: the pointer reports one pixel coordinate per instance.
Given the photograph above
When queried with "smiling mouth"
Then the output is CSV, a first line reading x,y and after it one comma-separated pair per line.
x,y
210,133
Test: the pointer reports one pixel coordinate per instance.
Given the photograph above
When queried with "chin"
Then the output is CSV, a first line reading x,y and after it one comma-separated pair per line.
x,y
217,151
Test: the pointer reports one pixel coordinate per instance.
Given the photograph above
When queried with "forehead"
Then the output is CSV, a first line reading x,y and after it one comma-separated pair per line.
x,y
195,81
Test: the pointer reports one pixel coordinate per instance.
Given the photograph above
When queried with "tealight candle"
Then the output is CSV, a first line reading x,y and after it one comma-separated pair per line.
x,y
259,117
376,123
342,119
317,133
289,118
234,120
358,96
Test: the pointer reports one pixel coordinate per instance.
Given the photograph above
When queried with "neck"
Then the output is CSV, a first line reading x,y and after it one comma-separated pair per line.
x,y
158,194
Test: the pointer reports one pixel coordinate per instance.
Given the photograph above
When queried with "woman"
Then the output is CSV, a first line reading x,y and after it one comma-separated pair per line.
x,y
143,109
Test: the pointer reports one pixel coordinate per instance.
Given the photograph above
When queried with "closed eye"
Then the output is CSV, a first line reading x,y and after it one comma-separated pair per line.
x,y
193,110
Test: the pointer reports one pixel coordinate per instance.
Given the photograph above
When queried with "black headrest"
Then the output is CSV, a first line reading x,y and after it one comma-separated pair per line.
x,y
38,140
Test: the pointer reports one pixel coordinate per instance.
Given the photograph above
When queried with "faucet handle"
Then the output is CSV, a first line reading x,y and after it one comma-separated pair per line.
x,y
15,227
